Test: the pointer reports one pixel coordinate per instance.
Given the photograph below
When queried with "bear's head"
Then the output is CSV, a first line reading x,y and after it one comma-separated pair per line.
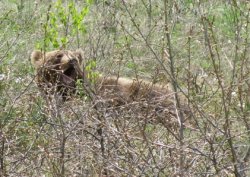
x,y
58,71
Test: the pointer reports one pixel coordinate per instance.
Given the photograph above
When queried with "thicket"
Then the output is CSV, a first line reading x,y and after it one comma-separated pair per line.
x,y
200,47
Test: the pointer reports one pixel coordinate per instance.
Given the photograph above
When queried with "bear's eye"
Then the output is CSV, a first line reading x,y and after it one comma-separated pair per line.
x,y
58,58
60,55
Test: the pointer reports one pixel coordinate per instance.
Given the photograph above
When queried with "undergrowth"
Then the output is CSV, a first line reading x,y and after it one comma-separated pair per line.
x,y
200,48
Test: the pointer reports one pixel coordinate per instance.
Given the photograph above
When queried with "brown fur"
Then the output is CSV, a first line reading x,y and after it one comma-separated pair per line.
x,y
58,71
52,70
127,90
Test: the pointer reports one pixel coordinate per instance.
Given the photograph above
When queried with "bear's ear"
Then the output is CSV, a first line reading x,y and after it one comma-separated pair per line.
x,y
36,58
79,54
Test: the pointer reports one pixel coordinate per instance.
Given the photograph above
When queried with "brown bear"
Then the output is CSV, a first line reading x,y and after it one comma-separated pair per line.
x,y
58,72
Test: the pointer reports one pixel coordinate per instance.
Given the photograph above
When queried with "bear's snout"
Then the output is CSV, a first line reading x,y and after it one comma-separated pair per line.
x,y
73,61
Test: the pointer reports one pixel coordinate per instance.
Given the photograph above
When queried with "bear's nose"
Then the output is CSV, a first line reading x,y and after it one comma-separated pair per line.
x,y
73,61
